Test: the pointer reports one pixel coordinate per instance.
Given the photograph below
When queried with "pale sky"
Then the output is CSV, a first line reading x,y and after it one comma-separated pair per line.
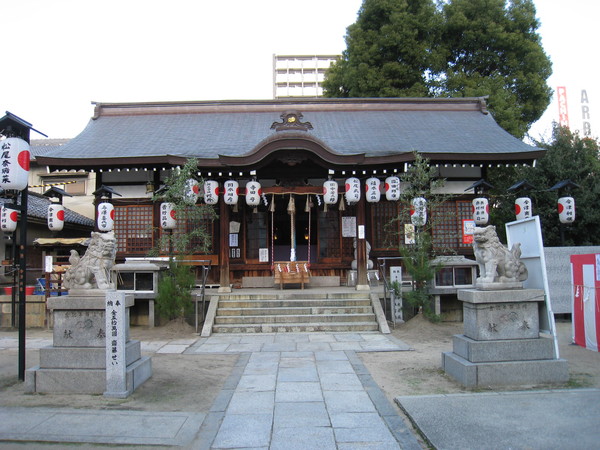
x,y
60,55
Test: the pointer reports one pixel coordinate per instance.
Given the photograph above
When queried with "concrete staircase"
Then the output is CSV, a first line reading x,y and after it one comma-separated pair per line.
x,y
294,312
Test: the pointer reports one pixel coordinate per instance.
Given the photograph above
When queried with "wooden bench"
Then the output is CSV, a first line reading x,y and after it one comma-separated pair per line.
x,y
291,272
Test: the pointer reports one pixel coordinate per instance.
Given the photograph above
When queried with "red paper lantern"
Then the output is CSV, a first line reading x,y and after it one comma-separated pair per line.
x,y
14,161
106,216
481,211
523,208
330,192
231,192
566,209
392,188
8,219
418,212
253,193
191,192
211,192
56,217
352,190
167,216
372,190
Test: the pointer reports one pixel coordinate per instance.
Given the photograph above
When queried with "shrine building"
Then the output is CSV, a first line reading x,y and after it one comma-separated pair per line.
x,y
290,147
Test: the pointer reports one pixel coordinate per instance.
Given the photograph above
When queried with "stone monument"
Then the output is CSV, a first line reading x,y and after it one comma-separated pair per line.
x,y
76,362
501,344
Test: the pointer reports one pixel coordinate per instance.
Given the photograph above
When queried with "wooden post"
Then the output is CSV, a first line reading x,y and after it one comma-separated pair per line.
x,y
362,283
224,247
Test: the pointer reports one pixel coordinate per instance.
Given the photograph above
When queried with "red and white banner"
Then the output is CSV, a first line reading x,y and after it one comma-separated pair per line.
x,y
585,270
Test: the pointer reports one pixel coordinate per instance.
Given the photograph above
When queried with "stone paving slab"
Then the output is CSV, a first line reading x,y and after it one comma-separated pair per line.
x,y
108,427
552,419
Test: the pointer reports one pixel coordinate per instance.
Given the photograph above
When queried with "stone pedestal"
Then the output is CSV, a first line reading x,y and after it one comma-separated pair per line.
x,y
501,344
76,361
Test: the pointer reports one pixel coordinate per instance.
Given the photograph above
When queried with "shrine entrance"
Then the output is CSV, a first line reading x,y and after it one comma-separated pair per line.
x,y
297,230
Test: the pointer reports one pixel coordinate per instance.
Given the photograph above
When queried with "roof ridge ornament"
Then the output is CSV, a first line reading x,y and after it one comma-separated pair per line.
x,y
291,120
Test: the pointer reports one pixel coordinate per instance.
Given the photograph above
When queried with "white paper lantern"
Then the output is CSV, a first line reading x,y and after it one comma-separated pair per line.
x,y
330,192
352,190
191,192
167,216
56,217
392,188
373,190
14,164
481,211
566,209
253,193
418,212
523,208
231,192
106,216
211,192
8,219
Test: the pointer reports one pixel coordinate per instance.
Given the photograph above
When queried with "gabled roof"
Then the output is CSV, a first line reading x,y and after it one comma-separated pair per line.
x,y
380,130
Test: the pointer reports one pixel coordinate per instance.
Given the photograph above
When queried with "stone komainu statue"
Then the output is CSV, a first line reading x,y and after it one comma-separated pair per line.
x,y
92,270
496,263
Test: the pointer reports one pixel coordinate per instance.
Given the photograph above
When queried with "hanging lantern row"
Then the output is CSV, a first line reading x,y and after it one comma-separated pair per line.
x,y
15,157
8,219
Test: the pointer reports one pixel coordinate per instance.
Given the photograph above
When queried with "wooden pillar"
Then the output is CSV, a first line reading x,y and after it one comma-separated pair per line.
x,y
224,247
362,282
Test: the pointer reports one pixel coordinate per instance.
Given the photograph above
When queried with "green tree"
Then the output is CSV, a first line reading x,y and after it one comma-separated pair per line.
x,y
390,51
492,48
421,180
568,157
457,48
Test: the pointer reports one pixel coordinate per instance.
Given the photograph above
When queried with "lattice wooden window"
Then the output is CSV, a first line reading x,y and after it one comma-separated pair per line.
x,y
329,235
447,224
133,228
385,225
186,225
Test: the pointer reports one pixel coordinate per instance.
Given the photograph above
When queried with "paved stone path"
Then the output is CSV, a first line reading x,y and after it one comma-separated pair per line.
x,y
287,391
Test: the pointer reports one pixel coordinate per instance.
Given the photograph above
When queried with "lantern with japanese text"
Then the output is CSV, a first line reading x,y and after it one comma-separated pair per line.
x,y
167,216
523,208
352,190
392,188
106,216
211,192
191,192
14,159
566,209
8,219
481,211
372,190
418,211
330,192
231,192
253,193
56,217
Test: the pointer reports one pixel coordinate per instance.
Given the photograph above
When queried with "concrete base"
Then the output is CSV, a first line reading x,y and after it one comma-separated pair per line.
x,y
506,373
501,344
83,381
76,361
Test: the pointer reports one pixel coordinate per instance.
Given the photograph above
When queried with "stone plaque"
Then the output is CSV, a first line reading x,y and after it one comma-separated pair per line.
x,y
490,321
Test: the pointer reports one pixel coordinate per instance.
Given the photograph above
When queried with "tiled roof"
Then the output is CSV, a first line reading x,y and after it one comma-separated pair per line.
x,y
40,147
374,127
37,206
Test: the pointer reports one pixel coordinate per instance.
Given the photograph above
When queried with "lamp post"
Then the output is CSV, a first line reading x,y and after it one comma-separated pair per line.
x,y
523,204
566,205
105,213
14,178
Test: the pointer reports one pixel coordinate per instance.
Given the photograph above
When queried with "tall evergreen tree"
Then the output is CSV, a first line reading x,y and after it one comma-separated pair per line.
x,y
492,48
390,51
461,48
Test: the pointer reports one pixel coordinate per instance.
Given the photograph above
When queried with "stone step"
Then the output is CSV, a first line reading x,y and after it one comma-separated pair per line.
x,y
292,303
308,318
296,327
295,295
294,310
